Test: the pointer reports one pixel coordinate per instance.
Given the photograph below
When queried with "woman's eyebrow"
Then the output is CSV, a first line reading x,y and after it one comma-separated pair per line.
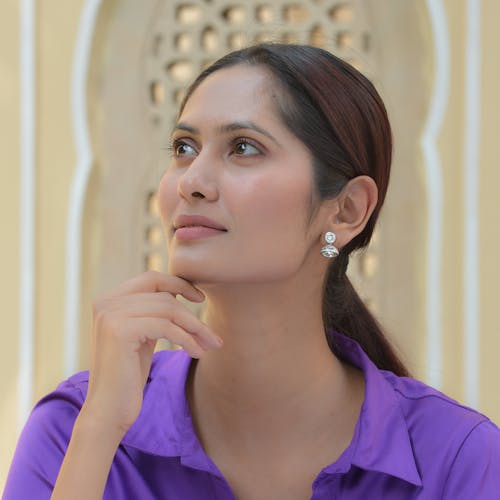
x,y
247,125
230,127
186,128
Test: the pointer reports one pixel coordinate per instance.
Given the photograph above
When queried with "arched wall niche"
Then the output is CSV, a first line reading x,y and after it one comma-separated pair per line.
x,y
144,54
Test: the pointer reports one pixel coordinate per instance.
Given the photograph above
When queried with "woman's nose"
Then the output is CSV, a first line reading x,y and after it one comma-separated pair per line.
x,y
198,182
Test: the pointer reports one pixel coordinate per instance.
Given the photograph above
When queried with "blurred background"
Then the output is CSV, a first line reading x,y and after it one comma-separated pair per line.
x,y
88,93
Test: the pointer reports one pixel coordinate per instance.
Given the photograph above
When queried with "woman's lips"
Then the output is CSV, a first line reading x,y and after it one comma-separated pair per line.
x,y
191,227
196,232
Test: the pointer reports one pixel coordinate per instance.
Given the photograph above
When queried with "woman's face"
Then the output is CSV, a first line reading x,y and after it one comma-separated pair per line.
x,y
236,164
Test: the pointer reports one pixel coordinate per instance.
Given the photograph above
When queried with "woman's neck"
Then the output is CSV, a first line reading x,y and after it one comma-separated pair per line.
x,y
275,366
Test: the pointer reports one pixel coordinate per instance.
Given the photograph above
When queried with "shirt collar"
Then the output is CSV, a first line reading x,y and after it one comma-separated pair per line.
x,y
164,426
381,439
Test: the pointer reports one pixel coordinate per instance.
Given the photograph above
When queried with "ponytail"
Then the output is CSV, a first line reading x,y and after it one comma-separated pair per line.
x,y
345,312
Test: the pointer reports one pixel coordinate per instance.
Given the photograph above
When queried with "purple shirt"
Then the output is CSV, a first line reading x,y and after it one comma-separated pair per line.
x,y
410,441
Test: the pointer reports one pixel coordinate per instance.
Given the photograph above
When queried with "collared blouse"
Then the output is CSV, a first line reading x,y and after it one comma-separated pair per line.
x,y
410,442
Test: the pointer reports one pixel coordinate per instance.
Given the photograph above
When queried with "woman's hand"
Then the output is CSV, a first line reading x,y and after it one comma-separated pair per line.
x,y
126,324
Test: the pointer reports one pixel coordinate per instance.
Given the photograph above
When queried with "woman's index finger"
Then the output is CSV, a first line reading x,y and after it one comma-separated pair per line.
x,y
154,281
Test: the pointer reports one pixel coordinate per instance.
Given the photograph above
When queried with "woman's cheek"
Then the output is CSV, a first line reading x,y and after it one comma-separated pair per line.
x,y
280,200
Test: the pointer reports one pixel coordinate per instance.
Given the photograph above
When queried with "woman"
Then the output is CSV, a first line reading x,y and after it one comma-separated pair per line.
x,y
287,389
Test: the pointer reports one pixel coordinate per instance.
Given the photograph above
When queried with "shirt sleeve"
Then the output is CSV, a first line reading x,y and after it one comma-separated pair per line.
x,y
42,445
475,472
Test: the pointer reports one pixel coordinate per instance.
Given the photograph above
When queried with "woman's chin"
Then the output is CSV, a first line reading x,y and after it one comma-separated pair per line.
x,y
189,272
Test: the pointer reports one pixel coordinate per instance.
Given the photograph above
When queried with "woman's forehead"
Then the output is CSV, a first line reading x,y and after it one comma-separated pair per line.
x,y
241,89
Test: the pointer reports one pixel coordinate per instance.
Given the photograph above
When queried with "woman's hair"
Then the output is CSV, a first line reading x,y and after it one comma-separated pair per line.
x,y
339,116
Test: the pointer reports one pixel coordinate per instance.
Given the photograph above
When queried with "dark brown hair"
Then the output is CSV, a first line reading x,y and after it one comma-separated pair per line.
x,y
339,116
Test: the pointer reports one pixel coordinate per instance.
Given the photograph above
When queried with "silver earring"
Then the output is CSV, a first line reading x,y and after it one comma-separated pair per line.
x,y
329,250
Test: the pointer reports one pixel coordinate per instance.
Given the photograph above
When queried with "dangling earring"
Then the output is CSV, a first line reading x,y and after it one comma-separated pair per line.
x,y
329,250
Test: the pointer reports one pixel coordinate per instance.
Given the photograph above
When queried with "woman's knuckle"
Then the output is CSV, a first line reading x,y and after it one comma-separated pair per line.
x,y
152,275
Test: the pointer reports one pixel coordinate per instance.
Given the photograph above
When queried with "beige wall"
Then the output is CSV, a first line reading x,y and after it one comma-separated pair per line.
x,y
9,214
56,29
490,210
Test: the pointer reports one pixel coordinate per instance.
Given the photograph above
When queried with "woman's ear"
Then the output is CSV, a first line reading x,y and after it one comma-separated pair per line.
x,y
355,204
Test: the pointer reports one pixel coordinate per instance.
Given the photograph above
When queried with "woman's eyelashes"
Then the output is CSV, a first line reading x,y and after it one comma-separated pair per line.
x,y
245,147
240,147
180,148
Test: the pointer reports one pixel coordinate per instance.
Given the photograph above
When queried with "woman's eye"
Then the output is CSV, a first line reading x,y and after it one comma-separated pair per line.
x,y
183,149
245,149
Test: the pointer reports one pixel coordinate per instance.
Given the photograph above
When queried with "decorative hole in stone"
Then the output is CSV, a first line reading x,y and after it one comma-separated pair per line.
x,y
156,92
355,63
295,13
236,40
205,64
369,265
154,235
152,204
235,14
209,39
317,36
290,37
180,71
264,14
183,42
154,262
188,14
342,13
370,304
344,40
165,345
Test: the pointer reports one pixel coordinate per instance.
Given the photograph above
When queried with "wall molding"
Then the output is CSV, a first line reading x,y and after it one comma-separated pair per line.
x,y
434,176
79,184
27,208
471,202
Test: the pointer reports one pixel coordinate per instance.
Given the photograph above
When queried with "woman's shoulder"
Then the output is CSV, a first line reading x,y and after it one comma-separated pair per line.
x,y
450,436
426,406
